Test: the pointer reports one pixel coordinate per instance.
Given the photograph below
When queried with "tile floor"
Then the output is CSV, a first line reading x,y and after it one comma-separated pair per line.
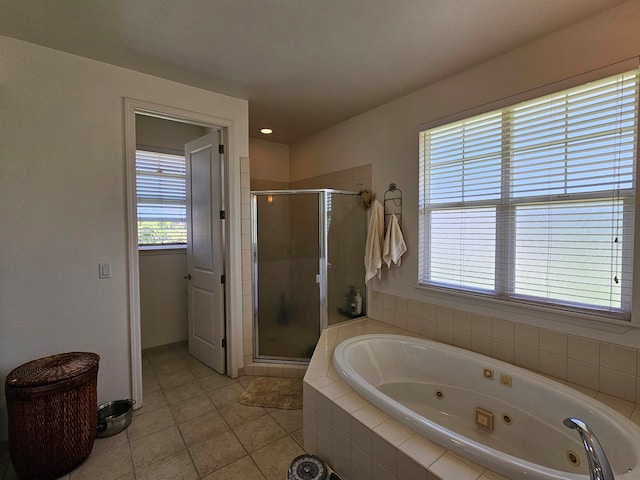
x,y
190,428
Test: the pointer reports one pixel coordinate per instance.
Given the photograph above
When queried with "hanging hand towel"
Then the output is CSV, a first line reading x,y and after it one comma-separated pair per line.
x,y
373,247
394,246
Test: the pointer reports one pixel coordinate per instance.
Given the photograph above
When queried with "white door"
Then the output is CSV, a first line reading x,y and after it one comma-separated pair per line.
x,y
205,243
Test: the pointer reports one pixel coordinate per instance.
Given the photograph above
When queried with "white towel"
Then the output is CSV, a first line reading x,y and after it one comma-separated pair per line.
x,y
373,247
394,246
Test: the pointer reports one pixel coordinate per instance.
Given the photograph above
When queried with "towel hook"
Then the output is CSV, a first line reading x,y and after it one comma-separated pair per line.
x,y
393,203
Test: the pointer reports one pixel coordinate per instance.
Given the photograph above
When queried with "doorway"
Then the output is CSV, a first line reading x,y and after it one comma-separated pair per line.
x,y
230,299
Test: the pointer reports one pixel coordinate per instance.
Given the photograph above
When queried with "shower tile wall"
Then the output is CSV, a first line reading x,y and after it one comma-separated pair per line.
x,y
592,364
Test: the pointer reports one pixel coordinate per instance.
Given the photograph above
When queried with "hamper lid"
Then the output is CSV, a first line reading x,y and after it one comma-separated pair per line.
x,y
55,368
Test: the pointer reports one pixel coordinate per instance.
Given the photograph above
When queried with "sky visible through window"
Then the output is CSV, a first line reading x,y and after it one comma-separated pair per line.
x,y
534,200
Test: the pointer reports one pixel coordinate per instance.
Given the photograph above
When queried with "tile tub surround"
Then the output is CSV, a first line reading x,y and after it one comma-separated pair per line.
x,y
361,442
596,364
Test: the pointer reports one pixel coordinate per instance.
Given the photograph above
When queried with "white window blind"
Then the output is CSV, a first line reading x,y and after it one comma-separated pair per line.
x,y
535,202
161,193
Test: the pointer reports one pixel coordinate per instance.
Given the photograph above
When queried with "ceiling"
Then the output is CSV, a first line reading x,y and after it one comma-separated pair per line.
x,y
304,65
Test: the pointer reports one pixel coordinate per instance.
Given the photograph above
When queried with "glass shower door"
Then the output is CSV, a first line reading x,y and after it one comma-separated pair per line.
x,y
286,265
346,290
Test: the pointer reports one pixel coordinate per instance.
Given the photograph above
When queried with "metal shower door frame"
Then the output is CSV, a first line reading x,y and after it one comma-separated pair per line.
x,y
321,278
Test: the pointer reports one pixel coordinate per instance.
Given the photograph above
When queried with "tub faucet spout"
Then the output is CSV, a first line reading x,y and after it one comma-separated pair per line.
x,y
599,467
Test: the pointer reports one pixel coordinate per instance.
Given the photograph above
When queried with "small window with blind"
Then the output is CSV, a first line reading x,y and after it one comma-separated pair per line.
x,y
535,202
161,197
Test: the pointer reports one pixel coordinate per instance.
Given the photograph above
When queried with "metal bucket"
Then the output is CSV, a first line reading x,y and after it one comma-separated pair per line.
x,y
114,417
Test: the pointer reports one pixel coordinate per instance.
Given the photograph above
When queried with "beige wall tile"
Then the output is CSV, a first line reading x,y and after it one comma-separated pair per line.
x,y
502,329
526,357
526,335
582,373
553,364
553,342
621,359
617,384
584,349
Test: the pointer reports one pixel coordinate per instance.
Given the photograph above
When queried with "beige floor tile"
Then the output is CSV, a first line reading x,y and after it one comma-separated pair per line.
x,y
225,396
147,423
191,408
150,383
213,382
156,446
298,436
259,433
202,428
244,468
152,401
109,465
246,380
198,368
176,467
162,356
174,379
216,453
129,476
274,460
290,420
109,443
168,367
237,414
184,392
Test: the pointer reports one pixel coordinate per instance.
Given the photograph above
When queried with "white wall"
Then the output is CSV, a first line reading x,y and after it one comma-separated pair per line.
x,y
269,160
63,203
388,135
163,297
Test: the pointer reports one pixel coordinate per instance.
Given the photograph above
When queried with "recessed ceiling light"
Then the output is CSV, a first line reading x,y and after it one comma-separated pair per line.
x,y
266,131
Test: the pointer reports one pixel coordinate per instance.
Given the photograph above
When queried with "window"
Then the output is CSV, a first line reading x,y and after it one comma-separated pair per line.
x,y
161,194
535,202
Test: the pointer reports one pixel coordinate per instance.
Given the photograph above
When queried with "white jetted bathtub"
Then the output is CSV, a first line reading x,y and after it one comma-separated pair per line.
x,y
495,414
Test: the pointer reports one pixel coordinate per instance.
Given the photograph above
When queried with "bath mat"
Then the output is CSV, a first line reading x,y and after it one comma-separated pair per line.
x,y
285,393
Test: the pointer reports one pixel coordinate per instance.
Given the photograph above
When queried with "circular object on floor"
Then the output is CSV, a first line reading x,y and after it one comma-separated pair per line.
x,y
307,467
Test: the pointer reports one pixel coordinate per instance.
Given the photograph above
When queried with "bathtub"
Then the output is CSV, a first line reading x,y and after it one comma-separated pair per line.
x,y
492,413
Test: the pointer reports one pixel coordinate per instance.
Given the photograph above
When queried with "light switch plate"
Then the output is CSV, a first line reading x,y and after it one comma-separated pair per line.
x,y
104,270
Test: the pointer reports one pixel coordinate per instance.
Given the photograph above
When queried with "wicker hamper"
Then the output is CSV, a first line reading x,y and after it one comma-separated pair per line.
x,y
52,408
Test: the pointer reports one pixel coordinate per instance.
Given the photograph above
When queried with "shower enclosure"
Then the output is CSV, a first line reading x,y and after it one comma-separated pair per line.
x,y
308,250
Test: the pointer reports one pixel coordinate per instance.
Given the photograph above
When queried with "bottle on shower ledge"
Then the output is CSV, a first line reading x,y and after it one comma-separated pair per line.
x,y
356,304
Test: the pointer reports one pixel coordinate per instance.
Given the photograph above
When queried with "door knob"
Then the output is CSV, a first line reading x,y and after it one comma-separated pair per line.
x,y
187,276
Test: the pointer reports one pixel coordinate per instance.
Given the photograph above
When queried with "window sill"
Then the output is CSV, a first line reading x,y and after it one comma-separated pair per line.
x,y
161,249
589,326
